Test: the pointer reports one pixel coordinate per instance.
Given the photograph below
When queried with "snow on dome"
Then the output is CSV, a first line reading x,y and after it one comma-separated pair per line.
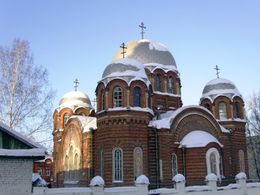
x,y
178,178
97,181
126,69
75,99
197,138
146,51
142,179
220,86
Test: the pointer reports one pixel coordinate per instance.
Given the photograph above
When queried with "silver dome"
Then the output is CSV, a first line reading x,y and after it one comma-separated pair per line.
x,y
75,99
146,51
220,86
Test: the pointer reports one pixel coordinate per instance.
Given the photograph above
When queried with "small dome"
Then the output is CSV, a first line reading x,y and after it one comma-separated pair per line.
x,y
126,69
220,86
75,99
146,52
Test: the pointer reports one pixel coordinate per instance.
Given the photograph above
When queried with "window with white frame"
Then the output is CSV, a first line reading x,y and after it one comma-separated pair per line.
x,y
117,165
236,110
103,100
213,162
222,108
174,165
47,172
117,97
158,84
65,118
170,85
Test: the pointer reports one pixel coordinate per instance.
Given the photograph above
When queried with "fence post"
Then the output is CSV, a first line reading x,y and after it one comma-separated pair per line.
x,y
179,181
211,180
97,185
241,180
142,183
38,191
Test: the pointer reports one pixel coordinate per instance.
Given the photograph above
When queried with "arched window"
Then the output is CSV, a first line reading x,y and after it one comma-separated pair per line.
x,y
222,108
170,85
213,161
65,118
137,96
103,100
138,162
117,165
236,110
178,88
241,157
76,165
158,84
174,165
66,166
118,97
102,163
208,107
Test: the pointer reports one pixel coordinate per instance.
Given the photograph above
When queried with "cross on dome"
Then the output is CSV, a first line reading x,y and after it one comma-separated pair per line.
x,y
76,84
123,47
217,70
142,29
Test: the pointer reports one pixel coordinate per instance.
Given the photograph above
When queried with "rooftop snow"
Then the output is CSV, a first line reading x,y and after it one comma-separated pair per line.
x,y
198,138
167,118
87,123
35,152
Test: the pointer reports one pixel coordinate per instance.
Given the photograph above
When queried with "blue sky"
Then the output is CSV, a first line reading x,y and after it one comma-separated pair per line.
x,y
78,39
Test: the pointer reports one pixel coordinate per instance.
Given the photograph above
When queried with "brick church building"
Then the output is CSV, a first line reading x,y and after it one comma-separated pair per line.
x,y
141,127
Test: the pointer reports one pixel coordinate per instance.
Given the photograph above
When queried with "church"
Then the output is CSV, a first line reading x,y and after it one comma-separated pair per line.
x,y
139,125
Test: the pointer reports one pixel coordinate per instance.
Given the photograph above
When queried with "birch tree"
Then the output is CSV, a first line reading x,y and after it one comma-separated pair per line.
x,y
25,94
253,133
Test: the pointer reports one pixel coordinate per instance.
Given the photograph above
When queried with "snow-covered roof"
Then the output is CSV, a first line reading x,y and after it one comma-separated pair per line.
x,y
147,51
75,99
220,87
34,152
19,136
126,69
198,138
87,123
153,66
166,118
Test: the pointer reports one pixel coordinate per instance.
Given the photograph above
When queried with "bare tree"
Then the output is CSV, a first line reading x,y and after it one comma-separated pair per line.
x,y
25,94
253,133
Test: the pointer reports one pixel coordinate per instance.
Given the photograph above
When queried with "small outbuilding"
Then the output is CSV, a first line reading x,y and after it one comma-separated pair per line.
x,y
17,154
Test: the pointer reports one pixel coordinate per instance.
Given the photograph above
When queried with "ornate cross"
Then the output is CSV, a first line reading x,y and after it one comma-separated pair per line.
x,y
76,84
217,71
142,27
123,47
